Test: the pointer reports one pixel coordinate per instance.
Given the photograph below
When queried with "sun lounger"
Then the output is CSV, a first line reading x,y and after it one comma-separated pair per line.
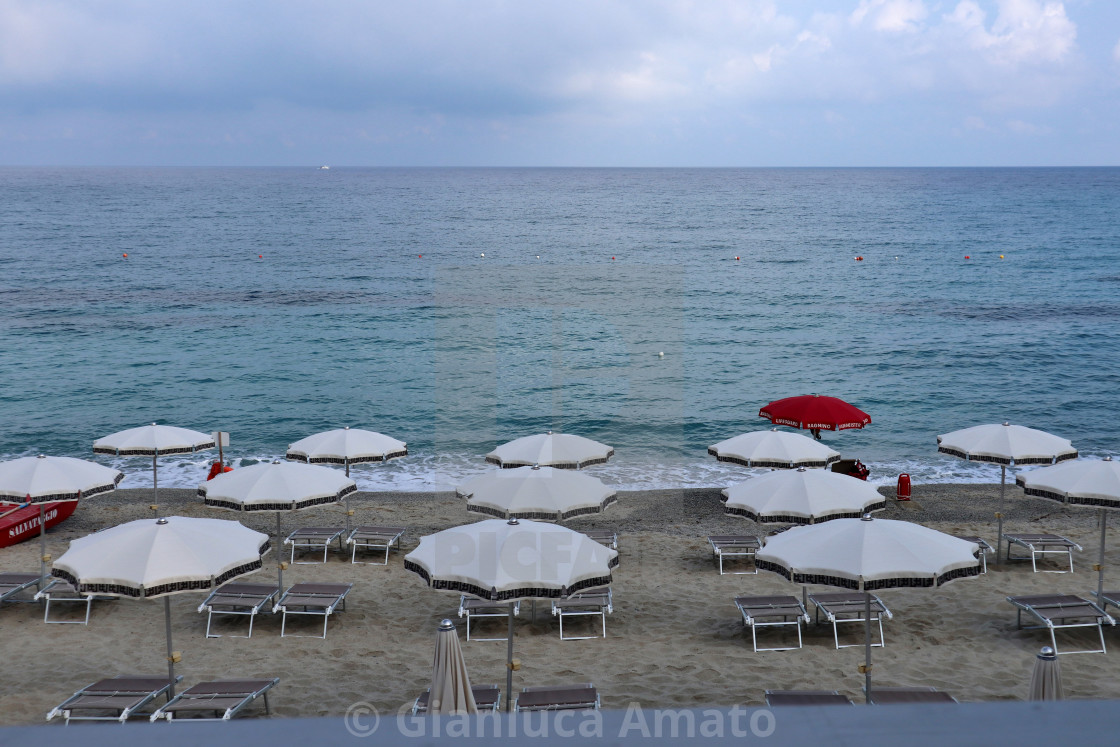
x,y
237,598
734,546
380,538
473,607
125,695
590,603
1057,611
985,549
805,698
848,607
312,599
558,698
486,697
1107,598
767,612
13,584
313,538
907,695
219,700
608,537
58,591
1042,544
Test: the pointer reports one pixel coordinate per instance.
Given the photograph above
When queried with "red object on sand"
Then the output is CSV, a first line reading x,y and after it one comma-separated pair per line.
x,y
903,491
19,524
814,412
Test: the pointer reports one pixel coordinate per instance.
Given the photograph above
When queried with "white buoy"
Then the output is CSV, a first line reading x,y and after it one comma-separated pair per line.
x,y
661,355
483,254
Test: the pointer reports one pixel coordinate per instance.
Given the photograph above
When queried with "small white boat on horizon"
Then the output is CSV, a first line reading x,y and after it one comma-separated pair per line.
x,y
324,168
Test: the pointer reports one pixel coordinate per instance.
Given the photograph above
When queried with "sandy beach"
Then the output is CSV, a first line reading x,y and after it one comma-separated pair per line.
x,y
675,638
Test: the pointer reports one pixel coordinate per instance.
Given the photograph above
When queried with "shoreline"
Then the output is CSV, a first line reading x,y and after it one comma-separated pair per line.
x,y
675,638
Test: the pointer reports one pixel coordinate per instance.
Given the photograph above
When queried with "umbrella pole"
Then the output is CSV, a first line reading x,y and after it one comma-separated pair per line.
x,y
1100,562
346,503
999,514
867,647
170,655
155,485
279,559
509,658
43,546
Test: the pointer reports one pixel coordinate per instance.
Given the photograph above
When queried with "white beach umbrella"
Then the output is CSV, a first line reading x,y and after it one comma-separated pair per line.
x,y
160,557
504,561
1092,483
867,555
1005,444
536,493
49,479
802,496
775,449
277,486
154,441
346,446
1046,677
562,450
451,685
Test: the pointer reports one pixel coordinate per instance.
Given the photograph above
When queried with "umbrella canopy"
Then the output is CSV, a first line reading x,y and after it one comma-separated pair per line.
x,y
346,446
1005,444
507,561
451,686
562,450
802,496
154,441
160,557
1091,483
278,486
815,413
536,493
48,479
866,555
774,448
1046,676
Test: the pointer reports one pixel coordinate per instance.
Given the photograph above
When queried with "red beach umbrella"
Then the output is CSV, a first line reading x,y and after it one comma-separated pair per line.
x,y
815,413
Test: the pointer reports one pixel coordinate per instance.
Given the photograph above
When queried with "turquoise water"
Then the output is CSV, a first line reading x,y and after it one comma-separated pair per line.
x,y
278,303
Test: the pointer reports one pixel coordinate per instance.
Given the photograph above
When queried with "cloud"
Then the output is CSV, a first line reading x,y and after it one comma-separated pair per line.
x,y
891,15
1024,31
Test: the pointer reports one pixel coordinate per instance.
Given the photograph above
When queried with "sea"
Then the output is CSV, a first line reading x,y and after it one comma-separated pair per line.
x,y
655,310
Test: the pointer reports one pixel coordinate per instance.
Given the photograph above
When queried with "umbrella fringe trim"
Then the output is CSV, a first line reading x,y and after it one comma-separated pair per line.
x,y
822,579
299,456
153,452
56,497
810,463
961,454
133,592
789,519
285,506
509,595
540,515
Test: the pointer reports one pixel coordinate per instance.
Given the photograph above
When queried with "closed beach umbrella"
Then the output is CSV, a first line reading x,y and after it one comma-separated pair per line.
x,y
451,686
562,450
814,412
154,441
802,496
277,486
1046,677
160,557
867,555
775,449
536,493
43,479
346,446
1005,444
1092,483
504,561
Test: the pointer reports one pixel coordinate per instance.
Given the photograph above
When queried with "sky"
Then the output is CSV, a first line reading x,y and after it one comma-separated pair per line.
x,y
642,83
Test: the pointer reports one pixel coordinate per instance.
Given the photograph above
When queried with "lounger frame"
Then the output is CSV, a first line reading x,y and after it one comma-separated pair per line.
x,y
126,694
908,695
734,546
379,538
591,603
848,607
472,607
1061,611
985,549
1042,544
770,612
557,698
226,698
781,698
608,537
60,591
12,584
486,697
236,598
313,538
314,599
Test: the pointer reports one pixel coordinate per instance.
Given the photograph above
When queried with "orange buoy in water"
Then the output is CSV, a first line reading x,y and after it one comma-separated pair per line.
x,y
260,256
967,256
125,255
859,259
736,259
